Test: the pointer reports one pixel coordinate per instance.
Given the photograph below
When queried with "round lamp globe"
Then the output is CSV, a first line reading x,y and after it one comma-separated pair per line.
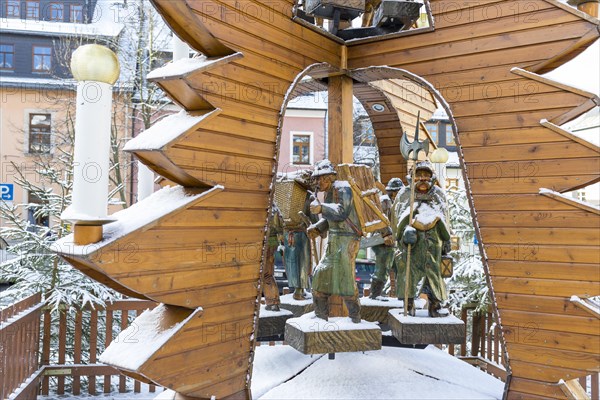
x,y
92,62
439,155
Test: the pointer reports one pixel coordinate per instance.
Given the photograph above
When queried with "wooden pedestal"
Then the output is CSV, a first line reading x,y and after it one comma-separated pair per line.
x,y
297,307
373,310
311,335
272,323
425,330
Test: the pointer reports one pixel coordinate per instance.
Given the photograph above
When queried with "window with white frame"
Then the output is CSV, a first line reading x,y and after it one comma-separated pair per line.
x,y
40,133
301,148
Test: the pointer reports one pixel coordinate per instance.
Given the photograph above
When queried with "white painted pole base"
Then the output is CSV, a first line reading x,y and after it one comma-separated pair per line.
x,y
91,153
145,185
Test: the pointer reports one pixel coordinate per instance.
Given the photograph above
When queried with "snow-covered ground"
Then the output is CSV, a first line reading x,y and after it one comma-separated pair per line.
x,y
281,372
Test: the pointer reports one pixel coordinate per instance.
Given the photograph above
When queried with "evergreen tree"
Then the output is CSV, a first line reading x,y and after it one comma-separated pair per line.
x,y
468,284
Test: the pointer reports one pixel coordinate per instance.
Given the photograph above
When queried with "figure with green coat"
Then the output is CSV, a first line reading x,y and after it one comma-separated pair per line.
x,y
429,237
384,253
335,273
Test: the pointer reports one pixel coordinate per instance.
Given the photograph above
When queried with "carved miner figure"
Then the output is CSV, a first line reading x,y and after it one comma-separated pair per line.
x,y
428,236
335,274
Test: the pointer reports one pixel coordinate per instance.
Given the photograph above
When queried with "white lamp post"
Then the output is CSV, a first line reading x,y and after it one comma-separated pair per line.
x,y
145,176
96,68
439,157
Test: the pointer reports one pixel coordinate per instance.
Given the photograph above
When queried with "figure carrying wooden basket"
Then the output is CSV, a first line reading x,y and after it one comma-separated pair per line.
x,y
293,198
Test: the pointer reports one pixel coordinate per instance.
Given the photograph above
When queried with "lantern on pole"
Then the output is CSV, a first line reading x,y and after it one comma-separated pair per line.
x,y
96,69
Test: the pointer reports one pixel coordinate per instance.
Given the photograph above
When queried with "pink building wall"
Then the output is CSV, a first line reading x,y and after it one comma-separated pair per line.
x,y
302,122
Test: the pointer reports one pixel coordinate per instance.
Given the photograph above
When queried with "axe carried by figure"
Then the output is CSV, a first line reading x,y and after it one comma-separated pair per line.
x,y
410,151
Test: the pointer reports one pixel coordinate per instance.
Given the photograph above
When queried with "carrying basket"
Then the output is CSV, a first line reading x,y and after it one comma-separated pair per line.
x,y
290,196
366,196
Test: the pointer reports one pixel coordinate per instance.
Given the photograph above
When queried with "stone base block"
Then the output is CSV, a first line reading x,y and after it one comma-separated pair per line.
x,y
272,323
311,335
297,307
422,329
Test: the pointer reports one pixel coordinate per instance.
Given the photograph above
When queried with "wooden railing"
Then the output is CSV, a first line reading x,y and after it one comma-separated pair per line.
x,y
482,345
19,342
75,366
98,326
71,341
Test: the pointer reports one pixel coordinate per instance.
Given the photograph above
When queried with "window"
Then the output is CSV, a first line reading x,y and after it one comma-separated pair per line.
x,y
56,12
451,182
35,216
33,10
301,149
581,195
7,53
42,58
76,13
40,128
449,136
13,9
433,131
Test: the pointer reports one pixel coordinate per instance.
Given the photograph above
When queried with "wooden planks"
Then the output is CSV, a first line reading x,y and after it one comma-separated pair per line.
x,y
508,150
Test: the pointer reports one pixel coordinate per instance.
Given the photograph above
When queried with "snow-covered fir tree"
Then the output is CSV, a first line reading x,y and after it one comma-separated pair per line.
x,y
468,283
32,227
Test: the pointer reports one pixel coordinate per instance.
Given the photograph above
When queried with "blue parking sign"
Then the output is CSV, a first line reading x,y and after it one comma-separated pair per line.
x,y
7,191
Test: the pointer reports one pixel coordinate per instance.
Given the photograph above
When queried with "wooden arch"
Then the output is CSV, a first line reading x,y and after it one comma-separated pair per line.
x,y
198,258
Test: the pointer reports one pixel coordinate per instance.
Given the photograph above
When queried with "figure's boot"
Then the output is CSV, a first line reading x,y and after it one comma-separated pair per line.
x,y
434,307
299,294
376,288
411,307
353,310
321,305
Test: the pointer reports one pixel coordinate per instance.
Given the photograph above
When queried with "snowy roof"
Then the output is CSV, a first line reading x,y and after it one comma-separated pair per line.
x,y
313,101
36,83
440,114
103,23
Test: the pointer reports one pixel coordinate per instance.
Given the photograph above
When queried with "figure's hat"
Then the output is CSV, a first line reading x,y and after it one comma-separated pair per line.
x,y
394,185
324,167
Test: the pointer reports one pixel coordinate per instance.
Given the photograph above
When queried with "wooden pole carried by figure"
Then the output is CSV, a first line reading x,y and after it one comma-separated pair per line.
x,y
410,151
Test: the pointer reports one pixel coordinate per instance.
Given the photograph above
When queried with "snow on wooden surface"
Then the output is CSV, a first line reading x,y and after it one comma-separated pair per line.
x,y
280,372
274,365
182,67
422,316
164,131
289,299
390,373
381,301
310,323
150,209
545,191
264,313
144,337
